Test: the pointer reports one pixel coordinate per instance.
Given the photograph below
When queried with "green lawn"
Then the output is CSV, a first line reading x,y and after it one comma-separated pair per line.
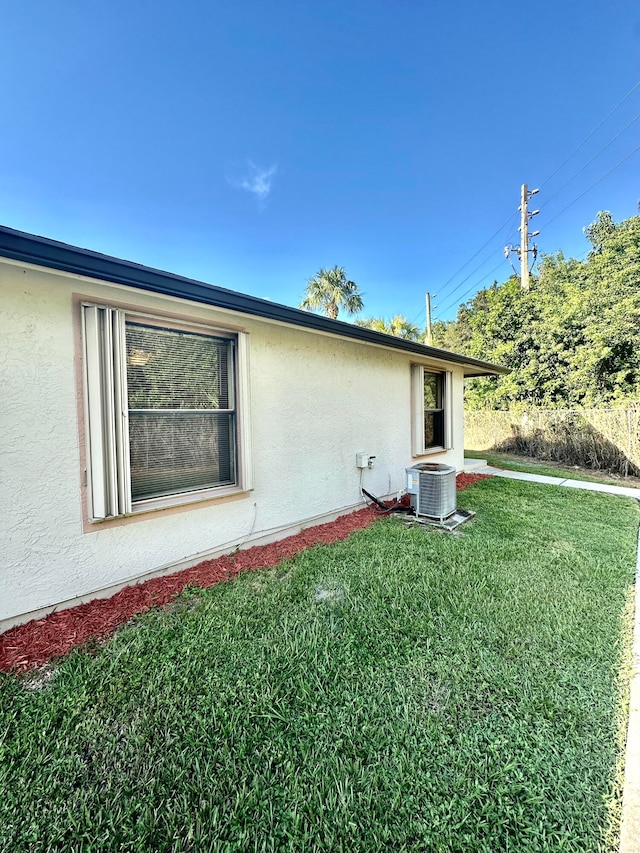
x,y
404,690
513,462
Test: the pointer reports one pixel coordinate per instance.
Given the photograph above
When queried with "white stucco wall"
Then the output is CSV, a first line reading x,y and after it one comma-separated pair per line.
x,y
316,400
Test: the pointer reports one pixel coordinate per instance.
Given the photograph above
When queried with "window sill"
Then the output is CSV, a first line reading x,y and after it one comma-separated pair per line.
x,y
166,506
185,499
431,451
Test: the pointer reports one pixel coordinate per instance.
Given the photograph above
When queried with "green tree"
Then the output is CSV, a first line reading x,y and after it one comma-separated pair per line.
x,y
329,291
608,363
453,335
572,340
601,230
398,326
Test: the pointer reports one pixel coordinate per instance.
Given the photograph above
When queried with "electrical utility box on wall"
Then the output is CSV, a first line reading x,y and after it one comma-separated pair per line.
x,y
432,490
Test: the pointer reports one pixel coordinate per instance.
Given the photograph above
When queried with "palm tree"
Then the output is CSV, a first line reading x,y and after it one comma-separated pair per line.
x,y
330,290
398,326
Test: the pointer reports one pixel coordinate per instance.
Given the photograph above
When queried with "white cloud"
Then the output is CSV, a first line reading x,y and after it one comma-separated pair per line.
x,y
259,181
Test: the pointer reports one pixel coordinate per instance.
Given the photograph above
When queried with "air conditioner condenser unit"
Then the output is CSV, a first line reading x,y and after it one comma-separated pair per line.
x,y
432,490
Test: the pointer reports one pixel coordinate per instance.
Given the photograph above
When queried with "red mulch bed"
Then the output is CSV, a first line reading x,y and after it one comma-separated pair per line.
x,y
464,480
34,643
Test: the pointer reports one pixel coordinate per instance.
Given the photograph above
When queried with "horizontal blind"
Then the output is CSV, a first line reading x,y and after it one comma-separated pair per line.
x,y
180,393
434,426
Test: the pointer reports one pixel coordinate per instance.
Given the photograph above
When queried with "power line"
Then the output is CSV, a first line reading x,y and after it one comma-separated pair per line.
x,y
595,156
495,269
460,299
587,138
506,222
595,183
419,316
476,286
466,278
472,288
580,257
475,270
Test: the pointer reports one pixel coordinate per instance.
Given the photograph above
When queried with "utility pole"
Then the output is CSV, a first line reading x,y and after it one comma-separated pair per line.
x,y
427,297
523,250
524,238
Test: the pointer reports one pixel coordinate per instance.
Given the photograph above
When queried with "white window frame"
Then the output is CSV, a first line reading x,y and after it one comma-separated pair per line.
x,y
106,413
418,372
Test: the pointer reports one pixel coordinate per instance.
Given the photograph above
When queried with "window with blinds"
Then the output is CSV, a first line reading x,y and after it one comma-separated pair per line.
x,y
181,411
431,410
433,397
162,413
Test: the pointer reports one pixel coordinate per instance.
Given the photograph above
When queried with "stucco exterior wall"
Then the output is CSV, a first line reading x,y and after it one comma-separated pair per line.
x,y
316,400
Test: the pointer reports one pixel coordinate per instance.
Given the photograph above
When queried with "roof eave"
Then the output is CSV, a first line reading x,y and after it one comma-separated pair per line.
x,y
42,251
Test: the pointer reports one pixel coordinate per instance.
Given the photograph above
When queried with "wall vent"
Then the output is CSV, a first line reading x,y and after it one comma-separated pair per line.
x,y
432,490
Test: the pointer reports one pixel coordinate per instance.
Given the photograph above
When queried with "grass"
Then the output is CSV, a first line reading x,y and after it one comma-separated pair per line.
x,y
513,462
403,690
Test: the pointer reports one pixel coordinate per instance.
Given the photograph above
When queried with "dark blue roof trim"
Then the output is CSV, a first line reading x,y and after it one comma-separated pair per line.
x,y
28,248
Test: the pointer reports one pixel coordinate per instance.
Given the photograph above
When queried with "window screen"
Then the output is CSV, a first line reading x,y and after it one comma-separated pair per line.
x,y
433,410
181,410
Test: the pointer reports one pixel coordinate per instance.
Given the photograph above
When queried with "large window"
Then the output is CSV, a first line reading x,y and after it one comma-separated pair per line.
x,y
163,420
430,410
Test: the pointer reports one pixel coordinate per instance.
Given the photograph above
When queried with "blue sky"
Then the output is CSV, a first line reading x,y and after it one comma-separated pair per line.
x,y
249,143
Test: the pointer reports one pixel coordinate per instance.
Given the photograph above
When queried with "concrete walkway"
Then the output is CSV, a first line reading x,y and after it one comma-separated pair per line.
x,y
630,828
479,466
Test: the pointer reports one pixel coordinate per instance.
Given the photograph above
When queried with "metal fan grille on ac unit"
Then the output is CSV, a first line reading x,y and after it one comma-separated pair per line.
x,y
432,490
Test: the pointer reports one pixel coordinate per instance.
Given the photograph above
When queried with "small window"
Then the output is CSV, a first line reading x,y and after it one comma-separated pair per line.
x,y
162,413
433,385
430,394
